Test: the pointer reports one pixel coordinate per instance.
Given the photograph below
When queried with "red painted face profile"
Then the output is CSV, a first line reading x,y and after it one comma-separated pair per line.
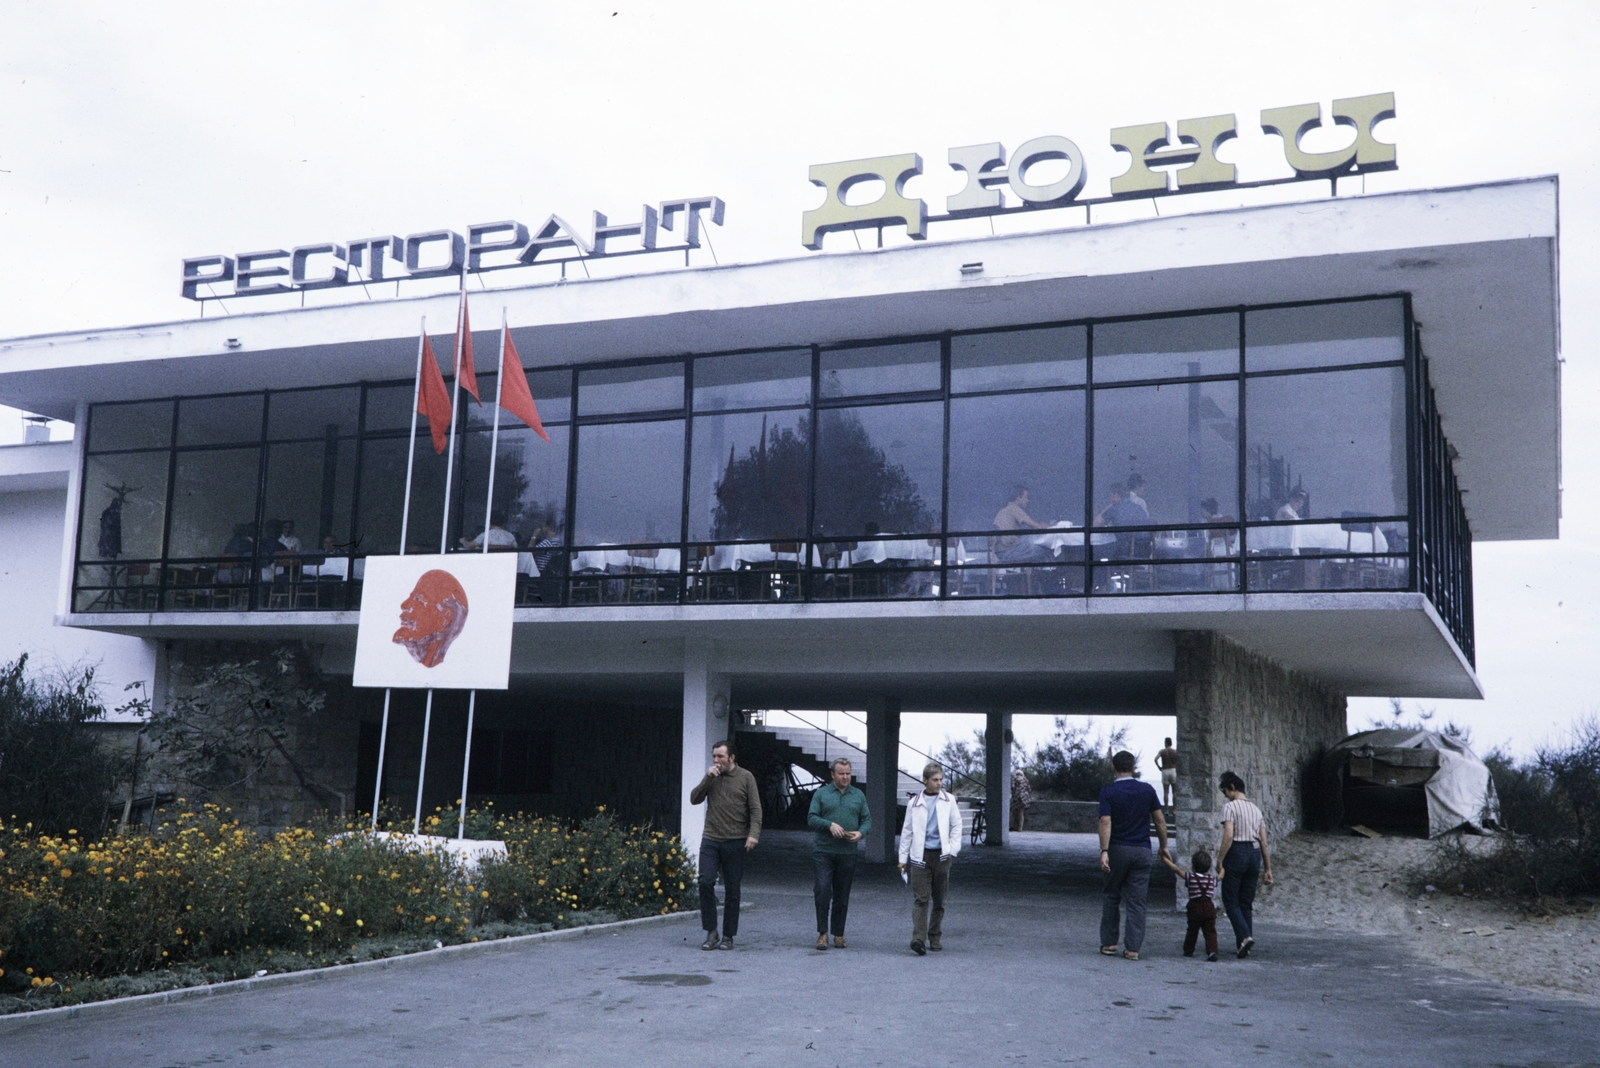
x,y
431,617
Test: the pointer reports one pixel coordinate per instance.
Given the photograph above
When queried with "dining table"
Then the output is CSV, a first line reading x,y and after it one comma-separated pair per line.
x,y
619,559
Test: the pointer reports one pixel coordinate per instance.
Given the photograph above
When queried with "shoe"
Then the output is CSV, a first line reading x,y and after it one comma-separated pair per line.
x,y
1188,953
918,948
1131,954
839,942
710,942
1108,951
1246,946
1212,957
822,941
935,945
726,943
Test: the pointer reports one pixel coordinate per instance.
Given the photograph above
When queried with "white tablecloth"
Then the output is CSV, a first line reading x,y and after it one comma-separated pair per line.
x,y
619,560
1333,536
878,552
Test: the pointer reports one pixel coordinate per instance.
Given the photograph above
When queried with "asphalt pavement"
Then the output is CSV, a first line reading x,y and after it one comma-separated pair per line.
x,y
1020,982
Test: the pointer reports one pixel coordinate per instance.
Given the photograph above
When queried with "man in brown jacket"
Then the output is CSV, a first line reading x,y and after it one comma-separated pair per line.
x,y
733,826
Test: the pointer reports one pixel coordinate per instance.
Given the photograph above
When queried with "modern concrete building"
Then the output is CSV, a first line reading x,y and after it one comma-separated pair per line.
x,y
1226,466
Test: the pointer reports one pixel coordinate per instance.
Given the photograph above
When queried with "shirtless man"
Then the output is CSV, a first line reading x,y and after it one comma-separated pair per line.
x,y
1167,762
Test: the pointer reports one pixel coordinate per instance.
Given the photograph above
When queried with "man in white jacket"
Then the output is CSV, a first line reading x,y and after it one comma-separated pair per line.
x,y
929,842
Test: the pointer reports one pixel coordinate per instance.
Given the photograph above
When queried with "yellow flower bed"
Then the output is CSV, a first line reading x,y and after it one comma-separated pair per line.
x,y
205,887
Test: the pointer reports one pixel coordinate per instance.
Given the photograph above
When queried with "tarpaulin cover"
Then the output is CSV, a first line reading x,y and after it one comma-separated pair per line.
x,y
1461,793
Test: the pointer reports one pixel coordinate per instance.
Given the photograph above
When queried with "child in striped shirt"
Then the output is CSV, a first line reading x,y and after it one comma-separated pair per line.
x,y
1202,887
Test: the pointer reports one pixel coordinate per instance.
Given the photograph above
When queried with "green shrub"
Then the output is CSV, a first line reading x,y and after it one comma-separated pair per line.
x,y
204,887
54,772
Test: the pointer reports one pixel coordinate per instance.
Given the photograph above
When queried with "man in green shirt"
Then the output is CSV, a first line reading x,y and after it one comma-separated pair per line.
x,y
733,826
840,819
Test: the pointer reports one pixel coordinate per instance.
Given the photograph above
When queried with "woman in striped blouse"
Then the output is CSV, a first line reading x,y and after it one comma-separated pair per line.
x,y
1245,858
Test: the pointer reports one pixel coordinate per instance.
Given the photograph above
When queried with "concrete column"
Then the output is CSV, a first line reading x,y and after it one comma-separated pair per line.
x,y
997,777
883,777
705,722
1241,712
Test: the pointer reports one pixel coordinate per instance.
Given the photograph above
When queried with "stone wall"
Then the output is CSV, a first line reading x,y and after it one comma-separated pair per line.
x,y
1241,712
318,774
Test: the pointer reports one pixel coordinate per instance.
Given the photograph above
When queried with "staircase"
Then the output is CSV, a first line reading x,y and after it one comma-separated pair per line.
x,y
814,750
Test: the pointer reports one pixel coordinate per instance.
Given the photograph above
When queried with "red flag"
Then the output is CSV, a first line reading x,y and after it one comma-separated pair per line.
x,y
464,371
433,400
515,396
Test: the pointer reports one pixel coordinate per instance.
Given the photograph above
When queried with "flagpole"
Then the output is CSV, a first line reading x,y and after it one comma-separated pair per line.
x,y
422,769
405,518
455,408
488,511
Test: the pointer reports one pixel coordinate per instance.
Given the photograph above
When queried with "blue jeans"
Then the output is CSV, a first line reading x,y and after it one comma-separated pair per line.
x,y
1127,885
1241,870
727,854
833,873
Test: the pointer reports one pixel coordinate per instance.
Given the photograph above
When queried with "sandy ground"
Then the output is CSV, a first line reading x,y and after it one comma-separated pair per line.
x,y
1361,885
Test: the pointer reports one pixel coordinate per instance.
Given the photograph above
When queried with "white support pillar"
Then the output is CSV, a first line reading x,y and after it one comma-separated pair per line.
x,y
883,777
997,776
705,722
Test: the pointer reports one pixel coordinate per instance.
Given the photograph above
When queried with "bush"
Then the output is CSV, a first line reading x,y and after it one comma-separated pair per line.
x,y
1550,807
1071,767
55,773
204,887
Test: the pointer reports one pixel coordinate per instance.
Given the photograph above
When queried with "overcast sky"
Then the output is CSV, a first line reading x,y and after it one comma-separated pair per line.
x,y
134,135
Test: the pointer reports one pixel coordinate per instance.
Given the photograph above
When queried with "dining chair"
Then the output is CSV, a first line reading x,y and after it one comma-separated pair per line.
x,y
642,583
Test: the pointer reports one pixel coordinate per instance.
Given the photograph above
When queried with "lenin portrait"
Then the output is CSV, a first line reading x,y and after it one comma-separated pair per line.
x,y
431,617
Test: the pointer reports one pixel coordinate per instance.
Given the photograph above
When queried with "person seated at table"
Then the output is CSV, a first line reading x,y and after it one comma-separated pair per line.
x,y
286,538
242,546
545,544
1136,496
1012,549
1220,532
498,537
1295,506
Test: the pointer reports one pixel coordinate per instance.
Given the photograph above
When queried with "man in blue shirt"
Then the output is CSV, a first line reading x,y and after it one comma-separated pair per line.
x,y
840,819
1127,806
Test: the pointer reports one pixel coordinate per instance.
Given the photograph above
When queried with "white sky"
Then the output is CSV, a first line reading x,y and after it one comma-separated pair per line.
x,y
134,135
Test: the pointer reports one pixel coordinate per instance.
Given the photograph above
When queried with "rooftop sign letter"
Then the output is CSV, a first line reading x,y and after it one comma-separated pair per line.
x,y
892,207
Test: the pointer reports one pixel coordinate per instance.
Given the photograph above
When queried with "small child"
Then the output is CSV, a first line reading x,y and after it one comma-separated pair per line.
x,y
1202,909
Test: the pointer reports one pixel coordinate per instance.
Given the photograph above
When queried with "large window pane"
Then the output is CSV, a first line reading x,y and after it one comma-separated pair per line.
x,y
309,488
1182,347
1324,335
651,388
1000,444
124,503
630,483
860,372
1018,359
213,501
383,481
146,425
220,420
1165,450
879,469
1337,437
390,408
552,395
753,380
530,483
313,413
749,476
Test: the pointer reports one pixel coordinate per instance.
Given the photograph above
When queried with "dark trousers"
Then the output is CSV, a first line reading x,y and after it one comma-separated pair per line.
x,y
727,855
1202,917
833,874
1241,869
1126,888
929,883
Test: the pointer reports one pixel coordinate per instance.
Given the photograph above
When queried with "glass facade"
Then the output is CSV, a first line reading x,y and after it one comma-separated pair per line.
x,y
1243,450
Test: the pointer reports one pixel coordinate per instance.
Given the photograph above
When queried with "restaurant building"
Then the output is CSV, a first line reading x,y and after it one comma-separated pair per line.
x,y
1258,445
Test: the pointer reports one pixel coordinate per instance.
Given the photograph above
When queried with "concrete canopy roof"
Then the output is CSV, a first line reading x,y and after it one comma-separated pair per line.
x,y
1480,263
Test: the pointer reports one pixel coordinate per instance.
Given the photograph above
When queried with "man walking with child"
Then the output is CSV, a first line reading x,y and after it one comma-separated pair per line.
x,y
1127,807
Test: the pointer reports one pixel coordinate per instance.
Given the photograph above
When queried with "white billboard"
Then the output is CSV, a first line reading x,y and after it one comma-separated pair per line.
x,y
441,622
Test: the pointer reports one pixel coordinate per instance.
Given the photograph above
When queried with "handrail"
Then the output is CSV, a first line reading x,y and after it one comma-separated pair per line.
x,y
949,768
